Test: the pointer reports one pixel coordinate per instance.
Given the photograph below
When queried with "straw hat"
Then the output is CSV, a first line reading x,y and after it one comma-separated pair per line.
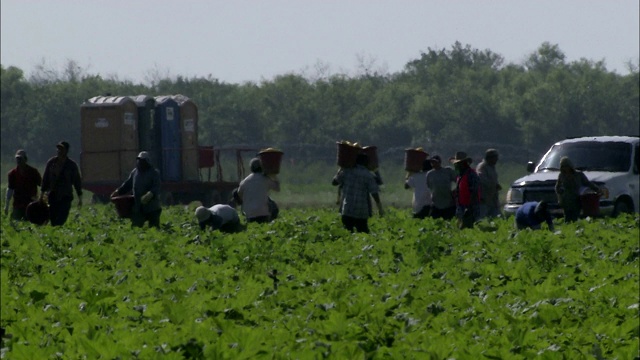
x,y
460,156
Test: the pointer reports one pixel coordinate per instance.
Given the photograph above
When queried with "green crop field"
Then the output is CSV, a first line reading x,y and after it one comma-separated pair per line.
x,y
302,287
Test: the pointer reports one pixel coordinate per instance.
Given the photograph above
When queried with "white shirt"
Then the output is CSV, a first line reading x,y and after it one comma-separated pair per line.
x,y
254,192
421,193
226,212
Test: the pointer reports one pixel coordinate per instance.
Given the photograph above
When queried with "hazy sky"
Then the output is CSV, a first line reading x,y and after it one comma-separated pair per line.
x,y
236,41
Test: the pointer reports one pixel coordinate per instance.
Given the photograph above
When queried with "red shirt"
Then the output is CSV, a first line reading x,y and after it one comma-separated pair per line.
x,y
24,184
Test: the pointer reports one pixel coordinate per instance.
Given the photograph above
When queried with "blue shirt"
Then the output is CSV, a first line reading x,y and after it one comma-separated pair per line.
x,y
526,217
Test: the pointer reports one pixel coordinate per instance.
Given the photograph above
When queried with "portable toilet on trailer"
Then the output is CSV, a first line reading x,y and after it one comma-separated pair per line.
x,y
109,139
148,129
189,130
167,114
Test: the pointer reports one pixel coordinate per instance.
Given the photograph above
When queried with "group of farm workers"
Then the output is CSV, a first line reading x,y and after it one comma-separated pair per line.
x,y
458,191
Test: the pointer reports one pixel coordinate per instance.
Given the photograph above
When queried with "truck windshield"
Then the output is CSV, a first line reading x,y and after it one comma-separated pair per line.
x,y
590,156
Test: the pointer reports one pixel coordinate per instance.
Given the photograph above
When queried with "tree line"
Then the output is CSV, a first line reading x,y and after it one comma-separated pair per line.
x,y
459,98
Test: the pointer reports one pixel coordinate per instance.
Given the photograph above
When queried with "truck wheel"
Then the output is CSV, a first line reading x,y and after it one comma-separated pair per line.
x,y
622,206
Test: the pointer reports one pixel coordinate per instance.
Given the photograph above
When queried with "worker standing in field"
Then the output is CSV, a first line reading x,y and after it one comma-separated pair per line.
x,y
490,188
61,176
357,184
568,186
440,181
144,183
467,191
23,184
218,217
421,201
253,194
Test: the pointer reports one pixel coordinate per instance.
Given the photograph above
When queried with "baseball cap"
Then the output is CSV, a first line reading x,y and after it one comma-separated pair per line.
x,y
21,154
63,144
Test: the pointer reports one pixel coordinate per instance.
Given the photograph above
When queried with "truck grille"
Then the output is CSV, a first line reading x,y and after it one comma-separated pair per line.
x,y
539,195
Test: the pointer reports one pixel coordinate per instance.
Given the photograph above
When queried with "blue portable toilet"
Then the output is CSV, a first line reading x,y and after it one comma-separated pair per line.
x,y
168,116
149,129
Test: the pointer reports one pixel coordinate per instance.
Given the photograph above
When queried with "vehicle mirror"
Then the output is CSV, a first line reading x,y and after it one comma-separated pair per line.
x,y
531,166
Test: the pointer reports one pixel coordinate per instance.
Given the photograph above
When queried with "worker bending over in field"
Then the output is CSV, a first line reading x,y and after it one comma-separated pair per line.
x,y
218,217
253,194
531,214
357,184
144,182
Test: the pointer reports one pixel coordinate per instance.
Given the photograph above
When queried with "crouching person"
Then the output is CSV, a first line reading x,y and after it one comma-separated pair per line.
x,y
219,217
144,183
531,214
253,194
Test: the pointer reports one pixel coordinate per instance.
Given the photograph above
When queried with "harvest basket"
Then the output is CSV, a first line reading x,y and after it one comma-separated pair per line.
x,y
347,153
124,205
414,159
590,203
372,154
37,212
271,160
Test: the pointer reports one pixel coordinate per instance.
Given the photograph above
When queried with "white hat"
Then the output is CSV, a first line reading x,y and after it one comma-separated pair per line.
x,y
202,213
144,155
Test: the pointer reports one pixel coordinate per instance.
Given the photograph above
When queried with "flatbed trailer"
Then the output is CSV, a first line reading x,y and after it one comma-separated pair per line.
x,y
207,190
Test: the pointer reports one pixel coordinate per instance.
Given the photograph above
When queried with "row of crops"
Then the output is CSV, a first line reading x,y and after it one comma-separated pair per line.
x,y
303,287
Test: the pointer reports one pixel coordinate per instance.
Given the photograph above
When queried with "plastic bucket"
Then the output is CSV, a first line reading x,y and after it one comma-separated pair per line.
x,y
372,154
37,212
590,203
347,154
271,160
414,159
124,205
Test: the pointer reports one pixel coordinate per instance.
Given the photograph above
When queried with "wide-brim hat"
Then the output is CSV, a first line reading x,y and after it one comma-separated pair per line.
x,y
460,157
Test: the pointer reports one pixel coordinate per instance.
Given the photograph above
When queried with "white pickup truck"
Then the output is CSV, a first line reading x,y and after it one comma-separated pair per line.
x,y
611,162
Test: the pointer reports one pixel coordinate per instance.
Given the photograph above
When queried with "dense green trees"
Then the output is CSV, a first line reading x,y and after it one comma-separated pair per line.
x,y
446,100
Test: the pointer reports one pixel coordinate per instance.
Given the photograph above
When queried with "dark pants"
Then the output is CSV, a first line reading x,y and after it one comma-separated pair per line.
x,y
359,225
446,213
59,210
231,227
19,214
258,219
423,213
138,219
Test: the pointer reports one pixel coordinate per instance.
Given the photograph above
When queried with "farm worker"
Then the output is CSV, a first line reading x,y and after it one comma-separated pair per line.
x,y
218,217
357,184
440,181
61,176
421,201
467,190
23,186
531,214
489,197
144,182
568,187
253,194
